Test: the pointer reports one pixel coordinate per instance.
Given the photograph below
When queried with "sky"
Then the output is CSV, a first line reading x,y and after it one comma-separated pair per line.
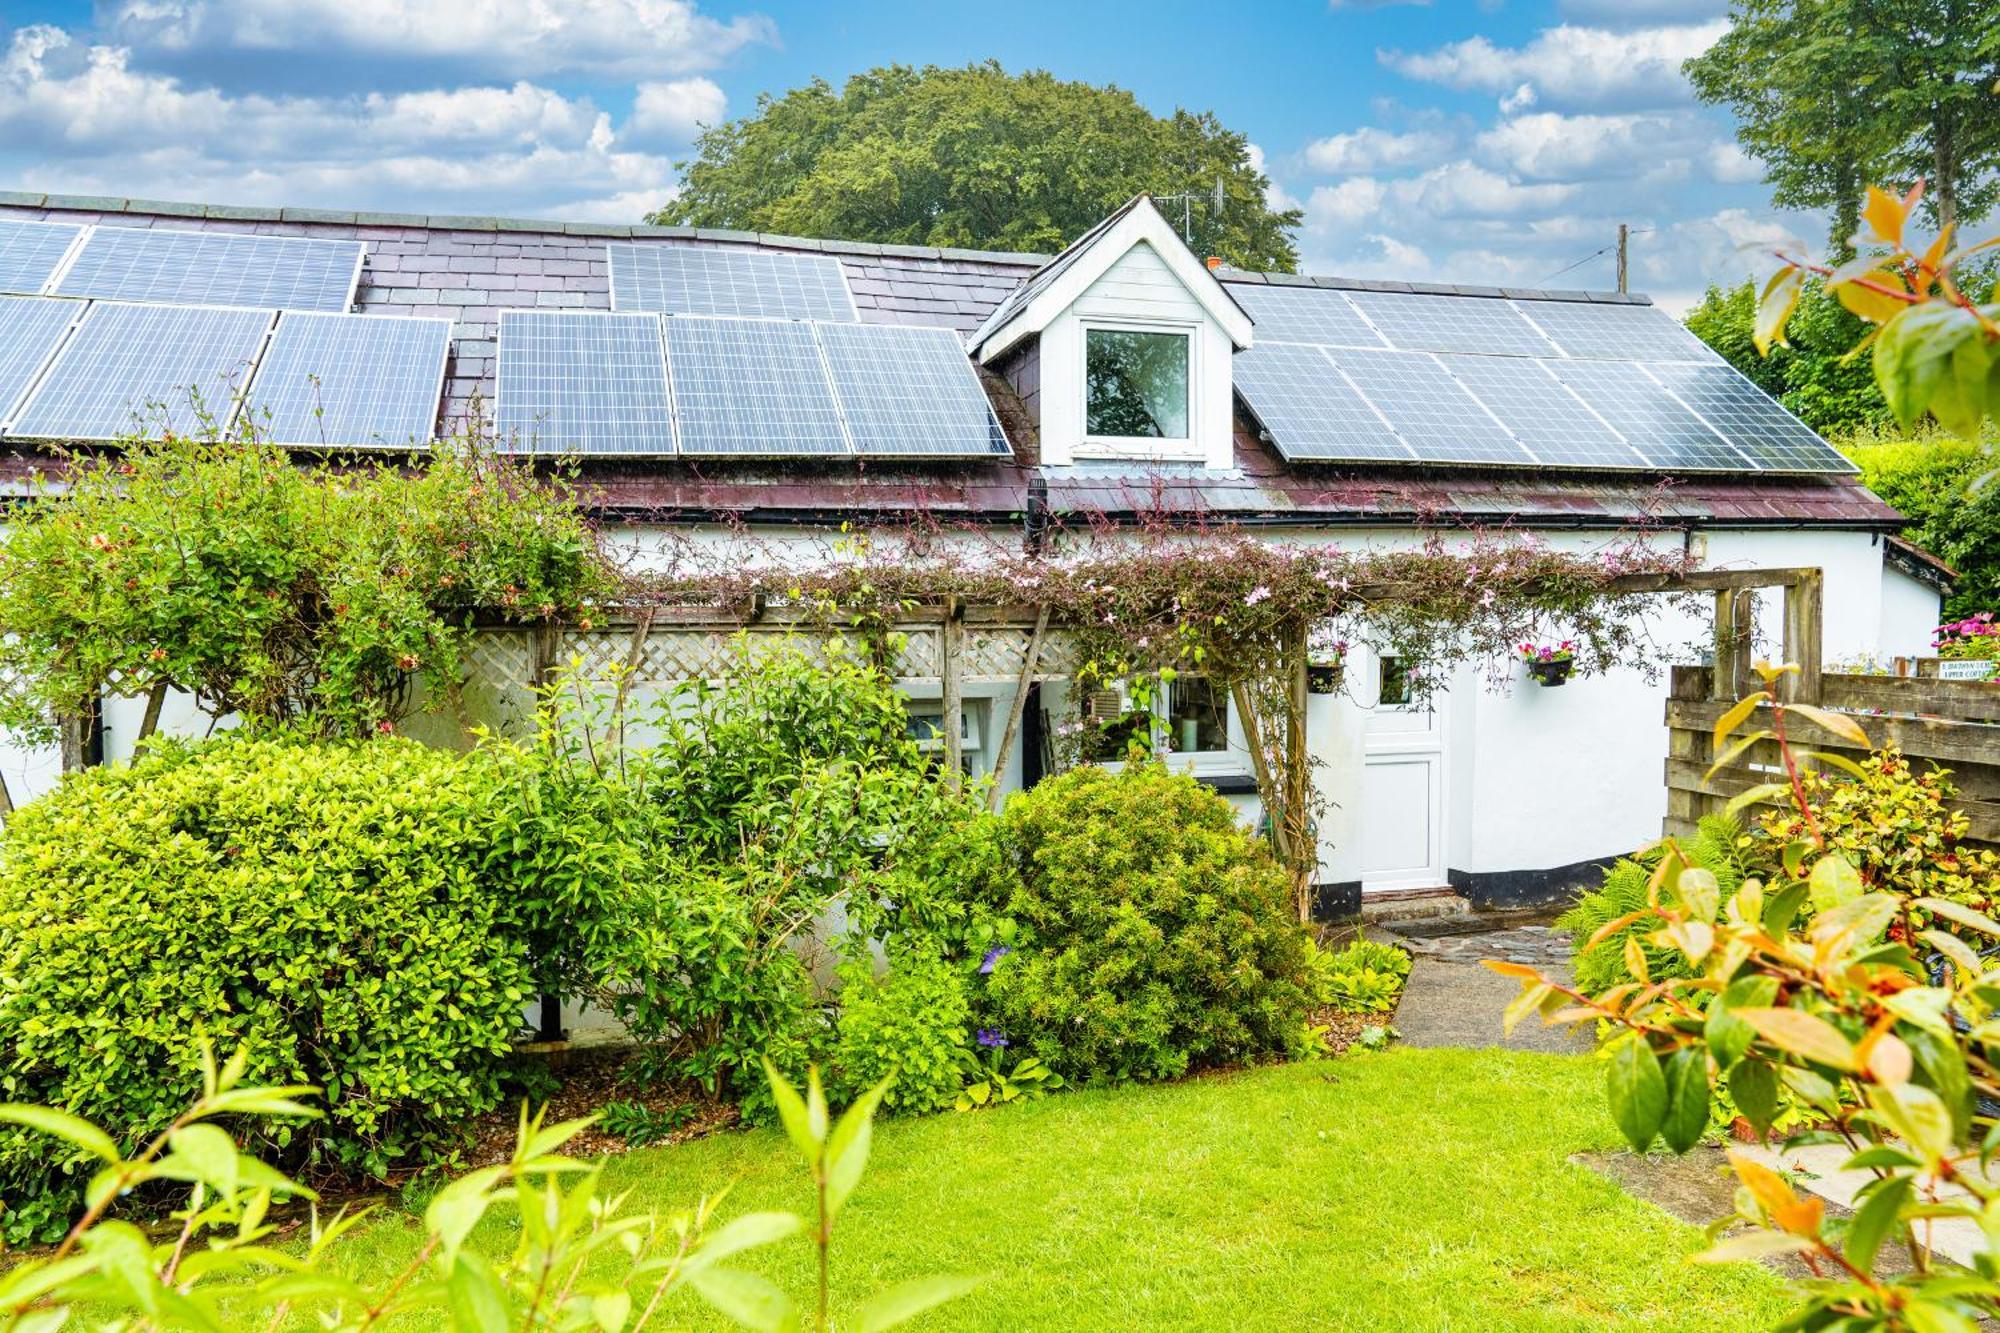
x,y
1479,141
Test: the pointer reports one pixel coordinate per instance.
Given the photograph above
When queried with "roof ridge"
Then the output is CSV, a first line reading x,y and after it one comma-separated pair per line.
x,y
461,222
1247,276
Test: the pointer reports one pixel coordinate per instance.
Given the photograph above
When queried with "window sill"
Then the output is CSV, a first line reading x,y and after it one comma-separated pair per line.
x,y
1228,784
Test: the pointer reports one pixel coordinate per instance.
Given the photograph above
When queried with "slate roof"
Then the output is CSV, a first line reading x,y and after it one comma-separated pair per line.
x,y
469,268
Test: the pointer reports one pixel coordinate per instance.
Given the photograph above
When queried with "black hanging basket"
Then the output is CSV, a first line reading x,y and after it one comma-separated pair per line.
x,y
1323,677
1552,672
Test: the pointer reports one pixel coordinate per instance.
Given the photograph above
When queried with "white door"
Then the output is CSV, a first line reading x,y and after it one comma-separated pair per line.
x,y
1402,788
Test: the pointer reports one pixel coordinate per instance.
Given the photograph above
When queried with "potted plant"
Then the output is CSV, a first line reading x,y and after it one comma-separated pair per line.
x,y
1550,664
1325,668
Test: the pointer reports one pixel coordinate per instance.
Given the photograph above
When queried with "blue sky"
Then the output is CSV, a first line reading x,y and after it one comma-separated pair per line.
x,y
1458,140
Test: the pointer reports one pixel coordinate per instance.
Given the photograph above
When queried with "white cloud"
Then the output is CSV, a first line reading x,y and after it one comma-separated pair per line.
x,y
674,112
1570,65
1351,201
1519,100
1276,197
1728,163
1468,190
1372,149
606,38
80,118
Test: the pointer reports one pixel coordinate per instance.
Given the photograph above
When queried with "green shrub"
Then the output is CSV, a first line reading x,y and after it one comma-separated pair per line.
x,y
1156,934
1943,486
908,1025
1366,977
317,904
784,803
1602,965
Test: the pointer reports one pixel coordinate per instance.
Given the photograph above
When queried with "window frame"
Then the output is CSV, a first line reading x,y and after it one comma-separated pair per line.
x,y
1169,447
1231,761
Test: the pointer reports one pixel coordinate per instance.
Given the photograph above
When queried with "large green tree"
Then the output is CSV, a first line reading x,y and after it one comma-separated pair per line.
x,y
975,157
1831,95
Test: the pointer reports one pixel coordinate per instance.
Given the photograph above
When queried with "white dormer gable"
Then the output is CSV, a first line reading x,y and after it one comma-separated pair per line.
x,y
1134,344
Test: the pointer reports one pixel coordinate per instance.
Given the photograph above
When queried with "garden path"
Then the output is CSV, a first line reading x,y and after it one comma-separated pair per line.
x,y
1451,1000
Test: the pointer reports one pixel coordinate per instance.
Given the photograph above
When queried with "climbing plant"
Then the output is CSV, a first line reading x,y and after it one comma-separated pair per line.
x,y
1238,610
274,588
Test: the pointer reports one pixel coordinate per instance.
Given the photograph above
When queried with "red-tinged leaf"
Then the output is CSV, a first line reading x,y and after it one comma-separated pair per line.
x,y
1765,1185
1507,969
1886,1058
1753,1245
1959,914
1801,1034
1870,295
1733,753
1527,1002
1635,959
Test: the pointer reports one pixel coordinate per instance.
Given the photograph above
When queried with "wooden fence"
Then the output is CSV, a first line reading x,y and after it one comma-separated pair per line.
x,y
1949,724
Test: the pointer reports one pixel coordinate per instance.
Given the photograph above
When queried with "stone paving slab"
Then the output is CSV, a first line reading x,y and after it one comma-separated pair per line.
x,y
1451,1000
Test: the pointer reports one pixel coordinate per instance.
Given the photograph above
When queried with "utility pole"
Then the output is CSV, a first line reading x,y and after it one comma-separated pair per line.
x,y
1623,232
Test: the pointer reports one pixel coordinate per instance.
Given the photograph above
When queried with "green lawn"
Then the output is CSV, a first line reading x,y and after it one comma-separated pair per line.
x,y
1412,1189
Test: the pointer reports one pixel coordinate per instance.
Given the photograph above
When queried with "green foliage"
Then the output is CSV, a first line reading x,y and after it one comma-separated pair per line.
x,y
639,1124
1365,977
1812,374
773,801
835,1153
272,588
1156,934
1623,892
1942,485
1893,825
906,1029
995,1079
1830,94
317,905
974,157
580,1258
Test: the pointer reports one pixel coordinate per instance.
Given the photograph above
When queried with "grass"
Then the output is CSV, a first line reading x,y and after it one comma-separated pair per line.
x,y
1410,1189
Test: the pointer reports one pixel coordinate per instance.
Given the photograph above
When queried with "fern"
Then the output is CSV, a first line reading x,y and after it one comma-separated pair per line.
x,y
1602,966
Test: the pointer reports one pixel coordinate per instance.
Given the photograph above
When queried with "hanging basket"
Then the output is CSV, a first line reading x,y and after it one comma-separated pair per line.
x,y
1323,677
1552,672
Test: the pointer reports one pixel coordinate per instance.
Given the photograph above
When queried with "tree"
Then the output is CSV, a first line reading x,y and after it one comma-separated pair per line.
x,y
1830,94
975,157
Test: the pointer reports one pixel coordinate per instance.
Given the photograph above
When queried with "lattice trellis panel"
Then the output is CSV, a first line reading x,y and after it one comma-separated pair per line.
x,y
675,653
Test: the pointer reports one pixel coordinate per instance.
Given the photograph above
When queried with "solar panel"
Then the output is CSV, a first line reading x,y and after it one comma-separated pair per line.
x,y
711,280
214,268
31,251
910,391
1769,436
350,380
31,327
1310,408
1615,332
755,387
143,369
582,381
1304,315
1441,422
1425,323
1555,425
1656,424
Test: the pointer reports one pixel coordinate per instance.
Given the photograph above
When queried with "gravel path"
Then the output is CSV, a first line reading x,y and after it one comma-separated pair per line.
x,y
1451,1000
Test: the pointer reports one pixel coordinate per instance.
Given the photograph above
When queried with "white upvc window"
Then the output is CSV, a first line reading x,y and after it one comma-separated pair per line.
x,y
1141,388
1189,722
926,728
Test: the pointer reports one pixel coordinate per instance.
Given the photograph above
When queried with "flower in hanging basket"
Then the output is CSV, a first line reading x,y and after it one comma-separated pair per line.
x,y
1550,664
1325,668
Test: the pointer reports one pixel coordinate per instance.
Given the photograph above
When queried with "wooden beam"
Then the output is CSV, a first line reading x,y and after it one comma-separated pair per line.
x,y
1804,636
1020,704
1708,580
951,639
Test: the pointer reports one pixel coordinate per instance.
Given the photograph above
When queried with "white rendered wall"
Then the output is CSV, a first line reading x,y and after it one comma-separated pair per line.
x,y
1911,610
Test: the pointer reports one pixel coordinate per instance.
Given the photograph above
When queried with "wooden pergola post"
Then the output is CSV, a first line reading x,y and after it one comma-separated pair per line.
x,y
1805,634
1029,659
951,637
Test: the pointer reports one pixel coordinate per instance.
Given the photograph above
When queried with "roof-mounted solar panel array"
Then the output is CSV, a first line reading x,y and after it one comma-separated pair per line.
x,y
1505,382
31,252
142,369
350,380
712,280
31,328
623,383
213,268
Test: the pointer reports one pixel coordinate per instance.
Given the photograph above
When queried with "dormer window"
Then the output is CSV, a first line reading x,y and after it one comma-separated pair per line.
x,y
1122,346
1136,384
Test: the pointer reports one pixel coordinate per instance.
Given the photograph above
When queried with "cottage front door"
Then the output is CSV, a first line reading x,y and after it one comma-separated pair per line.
x,y
1402,787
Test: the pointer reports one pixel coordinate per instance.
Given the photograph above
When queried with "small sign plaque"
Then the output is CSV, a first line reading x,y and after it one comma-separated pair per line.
x,y
1964,669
